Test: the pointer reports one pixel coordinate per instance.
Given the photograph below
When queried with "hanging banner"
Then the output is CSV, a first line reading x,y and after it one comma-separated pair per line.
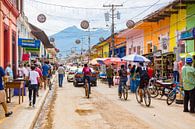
x,y
188,35
25,57
28,43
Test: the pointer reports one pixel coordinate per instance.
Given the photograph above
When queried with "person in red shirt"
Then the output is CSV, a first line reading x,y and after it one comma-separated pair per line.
x,y
40,75
150,70
87,74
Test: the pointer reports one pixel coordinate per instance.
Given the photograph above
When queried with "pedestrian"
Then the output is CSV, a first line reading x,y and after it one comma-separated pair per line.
x,y
188,76
110,74
2,94
45,72
37,65
133,79
176,71
61,73
20,71
34,80
9,72
150,70
123,79
25,71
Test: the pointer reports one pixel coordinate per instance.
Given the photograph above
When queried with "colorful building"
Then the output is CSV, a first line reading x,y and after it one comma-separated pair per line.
x,y
134,40
9,11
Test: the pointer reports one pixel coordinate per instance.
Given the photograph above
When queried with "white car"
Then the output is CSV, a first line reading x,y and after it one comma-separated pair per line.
x,y
71,73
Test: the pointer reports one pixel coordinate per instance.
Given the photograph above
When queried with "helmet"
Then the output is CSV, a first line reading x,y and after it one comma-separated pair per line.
x,y
189,60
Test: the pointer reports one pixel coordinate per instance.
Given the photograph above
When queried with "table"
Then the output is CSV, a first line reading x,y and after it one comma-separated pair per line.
x,y
15,84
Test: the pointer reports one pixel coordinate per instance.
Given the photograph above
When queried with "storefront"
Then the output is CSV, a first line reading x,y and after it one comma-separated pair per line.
x,y
187,39
31,48
8,33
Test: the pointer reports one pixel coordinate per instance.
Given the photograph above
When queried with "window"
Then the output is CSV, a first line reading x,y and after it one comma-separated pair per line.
x,y
138,50
134,49
149,46
129,50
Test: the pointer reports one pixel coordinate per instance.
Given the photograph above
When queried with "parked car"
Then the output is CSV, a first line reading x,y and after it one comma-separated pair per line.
x,y
78,78
71,73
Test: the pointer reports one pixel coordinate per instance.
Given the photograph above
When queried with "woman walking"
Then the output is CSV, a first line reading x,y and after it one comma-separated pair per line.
x,y
34,79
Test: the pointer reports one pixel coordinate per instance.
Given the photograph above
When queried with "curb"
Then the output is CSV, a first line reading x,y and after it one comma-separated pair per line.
x,y
42,101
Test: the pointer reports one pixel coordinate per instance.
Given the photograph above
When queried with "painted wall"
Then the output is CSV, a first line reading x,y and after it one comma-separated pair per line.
x,y
7,56
177,25
190,24
106,50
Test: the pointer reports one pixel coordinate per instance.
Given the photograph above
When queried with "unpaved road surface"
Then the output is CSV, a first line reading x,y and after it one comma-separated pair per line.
x,y
105,111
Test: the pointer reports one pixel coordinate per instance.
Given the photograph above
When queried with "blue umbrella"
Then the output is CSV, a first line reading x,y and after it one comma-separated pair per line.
x,y
135,58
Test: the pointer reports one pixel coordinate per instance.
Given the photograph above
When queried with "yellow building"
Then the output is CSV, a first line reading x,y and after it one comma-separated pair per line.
x,y
177,25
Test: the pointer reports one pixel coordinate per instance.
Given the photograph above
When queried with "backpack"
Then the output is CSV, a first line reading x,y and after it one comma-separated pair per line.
x,y
144,74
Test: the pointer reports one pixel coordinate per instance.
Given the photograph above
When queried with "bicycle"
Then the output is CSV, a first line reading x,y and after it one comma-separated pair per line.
x,y
86,88
172,95
124,91
153,88
145,95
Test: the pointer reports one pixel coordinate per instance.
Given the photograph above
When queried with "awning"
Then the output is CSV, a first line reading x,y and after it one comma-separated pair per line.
x,y
40,34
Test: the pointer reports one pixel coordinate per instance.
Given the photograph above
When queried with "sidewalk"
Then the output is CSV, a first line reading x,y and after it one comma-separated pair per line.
x,y
24,117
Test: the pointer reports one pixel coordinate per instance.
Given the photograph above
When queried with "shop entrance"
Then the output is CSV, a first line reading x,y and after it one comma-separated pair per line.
x,y
6,46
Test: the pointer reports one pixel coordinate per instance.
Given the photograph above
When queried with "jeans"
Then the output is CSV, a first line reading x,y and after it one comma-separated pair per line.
x,y
32,91
88,80
60,79
133,85
176,76
121,83
189,96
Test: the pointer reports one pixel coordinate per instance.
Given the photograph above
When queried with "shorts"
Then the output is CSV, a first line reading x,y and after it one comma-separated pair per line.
x,y
2,96
45,78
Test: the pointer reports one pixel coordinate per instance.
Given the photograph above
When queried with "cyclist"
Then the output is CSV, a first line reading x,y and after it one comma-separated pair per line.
x,y
87,74
144,78
123,78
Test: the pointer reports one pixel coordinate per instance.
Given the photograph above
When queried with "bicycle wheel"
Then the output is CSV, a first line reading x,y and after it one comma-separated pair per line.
x,y
125,92
138,98
171,97
153,90
147,98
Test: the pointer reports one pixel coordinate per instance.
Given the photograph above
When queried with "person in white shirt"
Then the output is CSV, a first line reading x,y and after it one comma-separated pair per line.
x,y
34,79
21,71
61,73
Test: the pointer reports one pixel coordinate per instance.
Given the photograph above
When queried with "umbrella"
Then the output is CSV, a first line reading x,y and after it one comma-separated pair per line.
x,y
112,60
135,58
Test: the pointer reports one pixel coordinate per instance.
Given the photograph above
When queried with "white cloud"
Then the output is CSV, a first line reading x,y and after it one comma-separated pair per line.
x,y
59,18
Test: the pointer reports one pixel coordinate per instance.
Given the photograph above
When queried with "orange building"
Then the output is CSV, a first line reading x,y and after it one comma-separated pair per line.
x,y
9,11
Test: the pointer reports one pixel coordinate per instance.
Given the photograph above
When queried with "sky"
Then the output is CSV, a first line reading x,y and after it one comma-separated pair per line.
x,y
61,14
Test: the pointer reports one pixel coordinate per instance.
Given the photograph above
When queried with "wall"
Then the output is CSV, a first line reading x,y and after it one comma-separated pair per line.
x,y
177,25
190,24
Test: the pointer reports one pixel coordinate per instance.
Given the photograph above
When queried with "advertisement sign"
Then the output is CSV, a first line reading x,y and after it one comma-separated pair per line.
x,y
187,35
29,43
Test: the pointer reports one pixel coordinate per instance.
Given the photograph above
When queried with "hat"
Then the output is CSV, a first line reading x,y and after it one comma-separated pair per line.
x,y
189,60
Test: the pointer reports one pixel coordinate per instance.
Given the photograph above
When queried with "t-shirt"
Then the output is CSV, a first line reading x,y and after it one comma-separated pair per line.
x,y
45,68
110,72
2,74
39,71
175,66
34,77
20,72
123,73
26,72
150,72
9,71
61,70
86,71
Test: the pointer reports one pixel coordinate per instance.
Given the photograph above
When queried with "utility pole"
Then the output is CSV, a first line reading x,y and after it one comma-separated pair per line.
x,y
113,7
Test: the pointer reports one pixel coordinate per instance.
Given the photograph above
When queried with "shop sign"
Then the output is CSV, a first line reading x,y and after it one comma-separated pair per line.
x,y
28,43
187,35
164,41
157,53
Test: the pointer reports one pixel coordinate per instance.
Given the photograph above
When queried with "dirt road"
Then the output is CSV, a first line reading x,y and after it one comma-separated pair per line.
x,y
105,111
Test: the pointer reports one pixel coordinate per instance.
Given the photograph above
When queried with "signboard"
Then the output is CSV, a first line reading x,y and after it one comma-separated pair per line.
x,y
29,43
187,35
164,42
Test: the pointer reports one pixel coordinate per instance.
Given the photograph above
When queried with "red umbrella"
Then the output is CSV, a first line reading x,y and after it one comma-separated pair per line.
x,y
113,60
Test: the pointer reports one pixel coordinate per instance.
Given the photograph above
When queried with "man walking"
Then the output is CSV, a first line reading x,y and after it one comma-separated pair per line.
x,y
188,75
61,73
123,79
2,94
110,74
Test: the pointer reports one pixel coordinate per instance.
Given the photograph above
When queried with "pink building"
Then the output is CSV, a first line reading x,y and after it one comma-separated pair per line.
x,y
135,41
